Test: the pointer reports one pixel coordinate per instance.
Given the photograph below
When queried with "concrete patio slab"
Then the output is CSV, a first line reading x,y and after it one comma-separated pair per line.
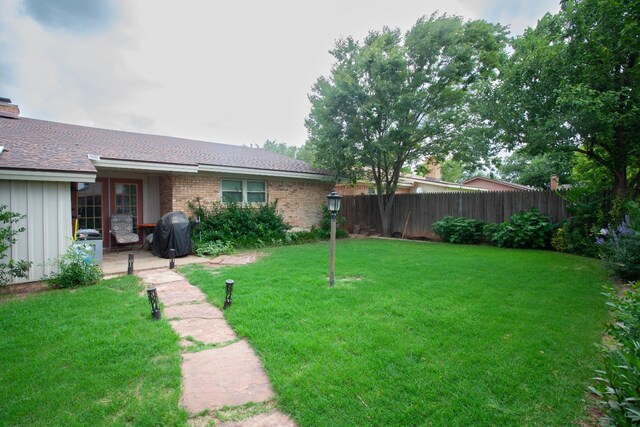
x,y
160,276
240,259
116,263
226,376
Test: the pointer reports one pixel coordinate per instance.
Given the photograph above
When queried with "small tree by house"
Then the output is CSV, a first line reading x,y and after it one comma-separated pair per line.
x,y
11,268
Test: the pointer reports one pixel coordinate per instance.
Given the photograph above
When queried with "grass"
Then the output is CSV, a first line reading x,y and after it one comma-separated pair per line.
x,y
91,356
420,333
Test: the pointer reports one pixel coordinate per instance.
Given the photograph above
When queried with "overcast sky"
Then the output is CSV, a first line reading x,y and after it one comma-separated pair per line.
x,y
236,72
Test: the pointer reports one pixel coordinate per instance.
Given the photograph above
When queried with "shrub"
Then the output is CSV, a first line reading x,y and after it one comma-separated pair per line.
x,y
459,230
559,241
528,229
325,225
75,268
11,268
243,226
620,250
617,385
214,248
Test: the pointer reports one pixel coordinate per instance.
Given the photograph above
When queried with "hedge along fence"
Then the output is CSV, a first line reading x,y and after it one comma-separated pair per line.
x,y
413,214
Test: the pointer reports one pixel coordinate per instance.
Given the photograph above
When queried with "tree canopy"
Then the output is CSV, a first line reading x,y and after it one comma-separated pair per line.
x,y
295,152
571,84
392,100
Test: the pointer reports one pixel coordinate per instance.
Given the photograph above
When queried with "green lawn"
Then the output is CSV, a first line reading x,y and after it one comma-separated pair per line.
x,y
92,356
420,333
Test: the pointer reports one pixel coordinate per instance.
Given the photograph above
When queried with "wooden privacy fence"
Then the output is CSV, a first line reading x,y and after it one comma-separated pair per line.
x,y
413,214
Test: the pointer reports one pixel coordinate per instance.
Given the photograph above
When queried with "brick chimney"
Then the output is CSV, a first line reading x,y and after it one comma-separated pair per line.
x,y
555,181
9,110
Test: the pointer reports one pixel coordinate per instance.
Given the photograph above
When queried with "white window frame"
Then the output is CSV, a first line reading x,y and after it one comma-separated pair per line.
x,y
245,191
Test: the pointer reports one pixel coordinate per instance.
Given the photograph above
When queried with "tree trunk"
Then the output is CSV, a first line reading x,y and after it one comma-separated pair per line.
x,y
620,164
385,202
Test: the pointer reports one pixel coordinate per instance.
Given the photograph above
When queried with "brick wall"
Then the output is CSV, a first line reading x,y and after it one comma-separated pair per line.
x,y
166,194
299,202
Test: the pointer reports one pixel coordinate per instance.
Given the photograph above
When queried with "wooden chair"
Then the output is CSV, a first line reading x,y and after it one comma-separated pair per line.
x,y
122,230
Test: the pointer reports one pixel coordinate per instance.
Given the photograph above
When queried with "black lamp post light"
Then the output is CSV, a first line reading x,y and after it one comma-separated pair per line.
x,y
333,201
229,291
155,303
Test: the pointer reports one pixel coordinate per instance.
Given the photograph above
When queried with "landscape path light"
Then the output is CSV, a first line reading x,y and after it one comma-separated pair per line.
x,y
153,300
130,265
172,256
228,292
333,201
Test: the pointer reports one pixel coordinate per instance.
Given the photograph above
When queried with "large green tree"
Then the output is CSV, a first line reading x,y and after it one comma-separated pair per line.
x,y
295,152
572,84
392,100
536,171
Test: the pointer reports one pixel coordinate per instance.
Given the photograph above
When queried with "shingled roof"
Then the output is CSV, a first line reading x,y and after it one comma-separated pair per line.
x,y
40,145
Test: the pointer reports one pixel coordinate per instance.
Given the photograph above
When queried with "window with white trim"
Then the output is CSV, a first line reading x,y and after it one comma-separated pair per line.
x,y
243,191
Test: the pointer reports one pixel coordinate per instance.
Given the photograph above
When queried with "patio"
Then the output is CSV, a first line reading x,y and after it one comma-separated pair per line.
x,y
116,263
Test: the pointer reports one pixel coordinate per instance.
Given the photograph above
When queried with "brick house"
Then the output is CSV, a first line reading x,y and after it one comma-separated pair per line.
x,y
55,173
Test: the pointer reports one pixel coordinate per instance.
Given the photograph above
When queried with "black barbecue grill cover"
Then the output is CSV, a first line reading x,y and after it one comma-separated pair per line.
x,y
172,232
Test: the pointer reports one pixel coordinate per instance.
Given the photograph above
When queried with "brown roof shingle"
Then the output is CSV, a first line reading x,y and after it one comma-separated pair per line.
x,y
49,146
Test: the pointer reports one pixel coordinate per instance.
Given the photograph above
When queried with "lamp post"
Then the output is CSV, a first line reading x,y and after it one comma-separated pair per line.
x,y
333,202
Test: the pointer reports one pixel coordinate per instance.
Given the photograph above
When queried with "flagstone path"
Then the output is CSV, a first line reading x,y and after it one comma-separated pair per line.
x,y
226,372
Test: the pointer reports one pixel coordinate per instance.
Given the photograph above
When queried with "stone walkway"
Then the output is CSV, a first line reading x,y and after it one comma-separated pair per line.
x,y
218,369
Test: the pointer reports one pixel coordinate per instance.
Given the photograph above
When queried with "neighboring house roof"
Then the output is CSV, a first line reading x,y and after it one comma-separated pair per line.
x,y
44,146
412,180
494,184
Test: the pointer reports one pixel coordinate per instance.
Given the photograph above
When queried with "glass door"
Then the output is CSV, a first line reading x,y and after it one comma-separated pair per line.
x,y
89,205
127,199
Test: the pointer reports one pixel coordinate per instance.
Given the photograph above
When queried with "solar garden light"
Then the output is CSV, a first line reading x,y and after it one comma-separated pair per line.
x,y
333,202
130,265
153,300
172,255
229,291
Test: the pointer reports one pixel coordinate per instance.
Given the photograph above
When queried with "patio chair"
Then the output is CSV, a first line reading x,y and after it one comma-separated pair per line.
x,y
122,230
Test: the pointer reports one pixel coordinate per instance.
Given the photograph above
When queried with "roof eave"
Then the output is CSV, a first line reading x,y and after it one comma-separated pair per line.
x,y
264,172
58,176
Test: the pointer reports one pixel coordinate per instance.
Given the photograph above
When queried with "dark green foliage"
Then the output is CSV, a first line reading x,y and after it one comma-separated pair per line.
x,y
214,248
459,230
572,84
11,268
325,227
618,382
75,269
528,229
243,226
620,250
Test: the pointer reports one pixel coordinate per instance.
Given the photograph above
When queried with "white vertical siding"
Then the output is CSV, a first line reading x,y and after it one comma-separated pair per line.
x,y
48,223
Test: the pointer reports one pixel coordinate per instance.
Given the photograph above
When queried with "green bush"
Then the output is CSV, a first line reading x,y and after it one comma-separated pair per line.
x,y
243,226
617,385
459,230
75,268
213,249
11,268
620,250
526,229
325,225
